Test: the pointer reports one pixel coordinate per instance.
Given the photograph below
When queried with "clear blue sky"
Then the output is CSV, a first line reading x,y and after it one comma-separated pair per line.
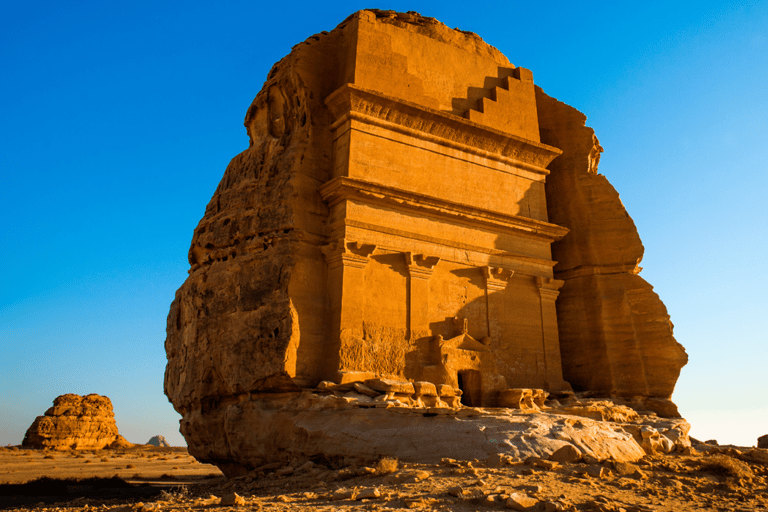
x,y
118,118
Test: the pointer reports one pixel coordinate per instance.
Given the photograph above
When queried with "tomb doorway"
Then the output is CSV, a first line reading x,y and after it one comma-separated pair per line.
x,y
470,384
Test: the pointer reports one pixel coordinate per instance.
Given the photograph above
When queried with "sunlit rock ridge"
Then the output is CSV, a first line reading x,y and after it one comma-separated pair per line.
x,y
413,211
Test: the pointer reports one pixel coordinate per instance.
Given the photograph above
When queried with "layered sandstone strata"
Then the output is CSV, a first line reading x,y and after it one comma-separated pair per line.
x,y
75,422
615,334
411,208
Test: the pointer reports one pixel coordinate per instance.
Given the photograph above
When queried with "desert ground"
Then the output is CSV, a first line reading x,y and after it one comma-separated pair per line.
x,y
709,477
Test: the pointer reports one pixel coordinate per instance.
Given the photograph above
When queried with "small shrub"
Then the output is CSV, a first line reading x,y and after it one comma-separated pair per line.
x,y
386,465
49,456
104,459
129,466
88,461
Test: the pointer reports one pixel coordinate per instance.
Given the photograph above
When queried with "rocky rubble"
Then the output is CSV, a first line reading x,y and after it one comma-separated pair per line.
x,y
706,478
76,422
345,421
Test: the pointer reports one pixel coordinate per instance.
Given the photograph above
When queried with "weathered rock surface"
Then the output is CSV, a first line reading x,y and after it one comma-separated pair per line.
x,y
762,441
293,427
414,218
75,422
615,333
158,441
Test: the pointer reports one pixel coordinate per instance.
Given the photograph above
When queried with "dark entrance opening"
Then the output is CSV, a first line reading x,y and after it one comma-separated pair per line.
x,y
471,388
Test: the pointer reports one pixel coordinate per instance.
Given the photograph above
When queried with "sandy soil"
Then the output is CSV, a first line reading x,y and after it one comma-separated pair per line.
x,y
700,481
136,465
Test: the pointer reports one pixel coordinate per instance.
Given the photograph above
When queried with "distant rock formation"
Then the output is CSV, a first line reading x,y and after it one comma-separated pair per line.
x,y
411,208
158,441
762,441
76,422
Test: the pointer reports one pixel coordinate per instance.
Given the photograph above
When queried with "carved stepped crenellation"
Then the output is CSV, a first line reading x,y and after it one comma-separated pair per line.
x,y
507,107
491,93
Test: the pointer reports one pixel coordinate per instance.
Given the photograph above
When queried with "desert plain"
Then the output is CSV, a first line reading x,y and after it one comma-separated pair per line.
x,y
709,477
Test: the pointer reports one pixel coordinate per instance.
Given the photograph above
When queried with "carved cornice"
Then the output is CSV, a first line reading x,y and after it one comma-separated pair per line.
x,y
420,266
452,244
349,254
353,102
496,278
342,187
598,270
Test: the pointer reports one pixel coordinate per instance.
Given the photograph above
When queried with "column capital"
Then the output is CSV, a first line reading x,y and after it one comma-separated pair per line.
x,y
419,265
549,287
496,278
347,253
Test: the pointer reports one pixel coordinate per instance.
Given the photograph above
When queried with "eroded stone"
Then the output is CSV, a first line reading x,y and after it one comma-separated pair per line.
x,y
76,422
407,197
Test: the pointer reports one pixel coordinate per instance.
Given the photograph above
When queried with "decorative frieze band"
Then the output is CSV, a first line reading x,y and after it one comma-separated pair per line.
x,y
354,102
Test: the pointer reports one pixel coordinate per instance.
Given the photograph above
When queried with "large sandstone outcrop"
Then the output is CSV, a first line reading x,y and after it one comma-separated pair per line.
x,y
158,441
615,333
294,427
412,208
75,422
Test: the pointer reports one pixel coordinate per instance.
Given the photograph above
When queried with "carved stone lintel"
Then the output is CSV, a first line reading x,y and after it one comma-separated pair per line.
x,y
496,278
419,265
548,287
347,253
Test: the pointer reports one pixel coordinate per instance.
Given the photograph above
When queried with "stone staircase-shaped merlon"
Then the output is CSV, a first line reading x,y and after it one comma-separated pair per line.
x,y
510,106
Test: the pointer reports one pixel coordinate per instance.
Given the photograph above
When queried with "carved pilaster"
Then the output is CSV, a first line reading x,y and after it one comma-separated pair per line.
x,y
550,339
346,285
420,268
496,280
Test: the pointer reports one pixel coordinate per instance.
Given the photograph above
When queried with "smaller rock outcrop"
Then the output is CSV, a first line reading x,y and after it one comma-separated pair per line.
x,y
76,422
762,441
158,441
